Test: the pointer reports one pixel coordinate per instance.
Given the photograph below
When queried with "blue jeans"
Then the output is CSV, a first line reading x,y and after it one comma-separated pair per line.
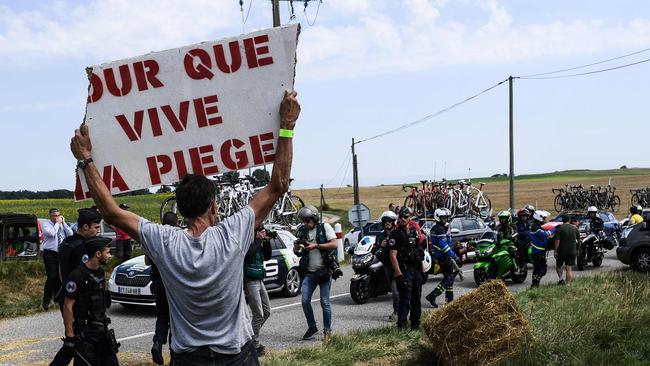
x,y
308,287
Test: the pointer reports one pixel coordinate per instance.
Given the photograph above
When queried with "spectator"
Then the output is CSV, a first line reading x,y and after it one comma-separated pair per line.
x,y
635,217
202,267
567,241
54,232
123,242
256,295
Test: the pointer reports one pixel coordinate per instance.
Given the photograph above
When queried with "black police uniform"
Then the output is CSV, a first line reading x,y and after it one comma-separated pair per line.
x,y
410,288
596,224
95,344
523,239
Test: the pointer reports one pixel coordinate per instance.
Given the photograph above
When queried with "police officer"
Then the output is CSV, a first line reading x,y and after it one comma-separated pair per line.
x,y
504,228
538,242
443,253
596,224
522,227
388,219
72,253
406,257
84,312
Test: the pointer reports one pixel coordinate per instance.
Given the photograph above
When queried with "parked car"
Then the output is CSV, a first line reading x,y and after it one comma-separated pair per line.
x,y
20,236
352,238
130,282
634,247
464,228
612,227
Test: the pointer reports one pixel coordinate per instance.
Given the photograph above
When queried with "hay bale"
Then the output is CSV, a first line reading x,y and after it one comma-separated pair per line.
x,y
479,328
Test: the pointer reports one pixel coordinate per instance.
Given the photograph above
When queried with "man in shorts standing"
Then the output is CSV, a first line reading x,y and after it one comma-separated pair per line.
x,y
567,239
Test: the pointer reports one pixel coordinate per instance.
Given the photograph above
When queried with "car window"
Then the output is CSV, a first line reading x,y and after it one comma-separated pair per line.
x,y
456,224
106,228
470,224
481,224
277,244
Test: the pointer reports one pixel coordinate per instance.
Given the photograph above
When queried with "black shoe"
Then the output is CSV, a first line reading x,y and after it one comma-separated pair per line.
x,y
561,282
156,353
261,351
45,306
309,334
431,300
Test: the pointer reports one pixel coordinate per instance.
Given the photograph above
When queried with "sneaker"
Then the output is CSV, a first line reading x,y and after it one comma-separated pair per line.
x,y
561,282
156,353
326,335
393,317
431,300
309,334
261,351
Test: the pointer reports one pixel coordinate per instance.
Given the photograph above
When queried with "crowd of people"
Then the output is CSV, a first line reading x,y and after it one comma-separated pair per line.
x,y
208,277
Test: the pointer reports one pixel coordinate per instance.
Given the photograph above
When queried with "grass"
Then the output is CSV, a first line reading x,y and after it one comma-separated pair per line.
x,y
598,320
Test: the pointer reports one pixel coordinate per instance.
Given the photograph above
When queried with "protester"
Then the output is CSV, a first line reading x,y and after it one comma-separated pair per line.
x,y
256,295
84,311
318,242
72,254
388,219
161,332
54,232
406,258
201,267
567,242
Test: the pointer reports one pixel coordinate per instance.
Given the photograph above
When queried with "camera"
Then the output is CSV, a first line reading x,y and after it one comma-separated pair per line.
x,y
271,234
334,267
299,247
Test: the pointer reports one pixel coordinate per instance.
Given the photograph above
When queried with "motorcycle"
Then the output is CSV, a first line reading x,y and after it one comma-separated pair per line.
x,y
369,279
495,261
593,247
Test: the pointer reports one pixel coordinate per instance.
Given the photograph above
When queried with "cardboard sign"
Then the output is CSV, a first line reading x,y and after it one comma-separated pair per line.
x,y
205,109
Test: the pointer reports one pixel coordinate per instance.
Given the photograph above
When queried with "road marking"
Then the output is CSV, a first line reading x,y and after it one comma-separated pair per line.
x,y
275,308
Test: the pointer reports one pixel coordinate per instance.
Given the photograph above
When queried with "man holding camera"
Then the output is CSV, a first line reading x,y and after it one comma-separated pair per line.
x,y
256,295
316,245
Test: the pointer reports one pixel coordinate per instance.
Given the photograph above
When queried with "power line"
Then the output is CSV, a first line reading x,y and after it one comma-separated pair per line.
x,y
311,24
587,65
425,118
345,158
583,73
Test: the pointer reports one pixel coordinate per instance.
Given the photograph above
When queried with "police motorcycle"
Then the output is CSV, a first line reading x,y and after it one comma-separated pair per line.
x,y
593,246
495,260
369,279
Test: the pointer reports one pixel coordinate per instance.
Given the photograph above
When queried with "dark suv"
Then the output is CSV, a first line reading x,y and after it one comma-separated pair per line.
x,y
634,247
20,236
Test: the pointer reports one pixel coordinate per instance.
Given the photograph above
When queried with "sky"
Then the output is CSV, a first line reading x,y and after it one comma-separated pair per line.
x,y
364,67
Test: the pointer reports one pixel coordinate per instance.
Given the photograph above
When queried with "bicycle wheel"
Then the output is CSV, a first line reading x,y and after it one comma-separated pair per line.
x,y
634,201
557,203
297,202
168,205
616,203
289,212
410,202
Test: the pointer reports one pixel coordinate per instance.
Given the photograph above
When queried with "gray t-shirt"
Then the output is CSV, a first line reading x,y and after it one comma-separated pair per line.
x,y
315,256
203,279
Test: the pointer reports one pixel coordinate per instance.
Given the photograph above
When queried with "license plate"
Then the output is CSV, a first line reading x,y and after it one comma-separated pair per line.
x,y
128,290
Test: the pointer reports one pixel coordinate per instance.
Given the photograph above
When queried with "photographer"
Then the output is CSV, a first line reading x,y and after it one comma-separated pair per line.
x,y
316,245
256,296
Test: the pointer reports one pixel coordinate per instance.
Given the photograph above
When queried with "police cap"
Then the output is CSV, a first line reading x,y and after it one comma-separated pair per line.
x,y
88,216
95,243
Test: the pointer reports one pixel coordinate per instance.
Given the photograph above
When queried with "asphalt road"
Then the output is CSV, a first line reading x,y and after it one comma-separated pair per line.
x,y
34,340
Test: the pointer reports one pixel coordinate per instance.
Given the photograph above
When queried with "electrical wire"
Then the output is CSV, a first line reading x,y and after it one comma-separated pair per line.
x,y
311,24
425,118
582,73
345,158
587,65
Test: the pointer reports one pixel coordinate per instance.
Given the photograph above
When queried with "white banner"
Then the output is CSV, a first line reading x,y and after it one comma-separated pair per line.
x,y
206,109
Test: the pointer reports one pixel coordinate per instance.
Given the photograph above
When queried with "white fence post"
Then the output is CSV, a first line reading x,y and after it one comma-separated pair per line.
x,y
339,242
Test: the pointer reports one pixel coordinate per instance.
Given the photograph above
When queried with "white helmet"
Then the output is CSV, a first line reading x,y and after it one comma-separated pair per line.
x,y
539,216
592,209
388,215
441,212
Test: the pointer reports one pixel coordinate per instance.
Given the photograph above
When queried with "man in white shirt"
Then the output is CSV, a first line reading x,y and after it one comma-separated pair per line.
x,y
54,232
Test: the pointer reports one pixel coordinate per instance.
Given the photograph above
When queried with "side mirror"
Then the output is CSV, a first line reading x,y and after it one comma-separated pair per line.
x,y
455,231
350,250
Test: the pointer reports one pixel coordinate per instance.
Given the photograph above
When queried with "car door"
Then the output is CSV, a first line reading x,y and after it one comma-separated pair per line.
x,y
275,268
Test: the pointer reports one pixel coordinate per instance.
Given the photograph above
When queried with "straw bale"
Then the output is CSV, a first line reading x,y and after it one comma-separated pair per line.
x,y
479,328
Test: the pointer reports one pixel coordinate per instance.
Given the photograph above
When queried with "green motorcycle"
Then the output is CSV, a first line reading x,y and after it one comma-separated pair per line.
x,y
495,261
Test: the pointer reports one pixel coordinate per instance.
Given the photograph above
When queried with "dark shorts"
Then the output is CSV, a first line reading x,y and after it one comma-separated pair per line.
x,y
569,260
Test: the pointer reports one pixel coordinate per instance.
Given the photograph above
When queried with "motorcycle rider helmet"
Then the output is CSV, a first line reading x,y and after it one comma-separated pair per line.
x,y
440,212
539,216
505,214
591,209
308,212
523,212
530,209
405,212
388,216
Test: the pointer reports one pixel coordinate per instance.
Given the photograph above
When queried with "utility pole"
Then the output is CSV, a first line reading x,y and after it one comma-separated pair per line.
x,y
512,151
276,13
355,185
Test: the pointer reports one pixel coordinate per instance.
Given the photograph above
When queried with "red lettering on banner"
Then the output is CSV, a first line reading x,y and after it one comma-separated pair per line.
x,y
180,164
160,164
96,88
133,133
253,52
111,83
179,123
200,161
240,155
203,111
145,77
259,156
111,178
202,69
235,57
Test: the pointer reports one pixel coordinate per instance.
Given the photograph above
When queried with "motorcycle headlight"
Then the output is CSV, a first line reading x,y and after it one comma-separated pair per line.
x,y
486,252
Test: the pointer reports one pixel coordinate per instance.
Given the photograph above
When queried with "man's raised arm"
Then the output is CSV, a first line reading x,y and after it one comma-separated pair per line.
x,y
263,201
82,150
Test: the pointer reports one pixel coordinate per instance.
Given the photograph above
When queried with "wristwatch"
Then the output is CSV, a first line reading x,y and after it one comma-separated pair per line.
x,y
82,164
